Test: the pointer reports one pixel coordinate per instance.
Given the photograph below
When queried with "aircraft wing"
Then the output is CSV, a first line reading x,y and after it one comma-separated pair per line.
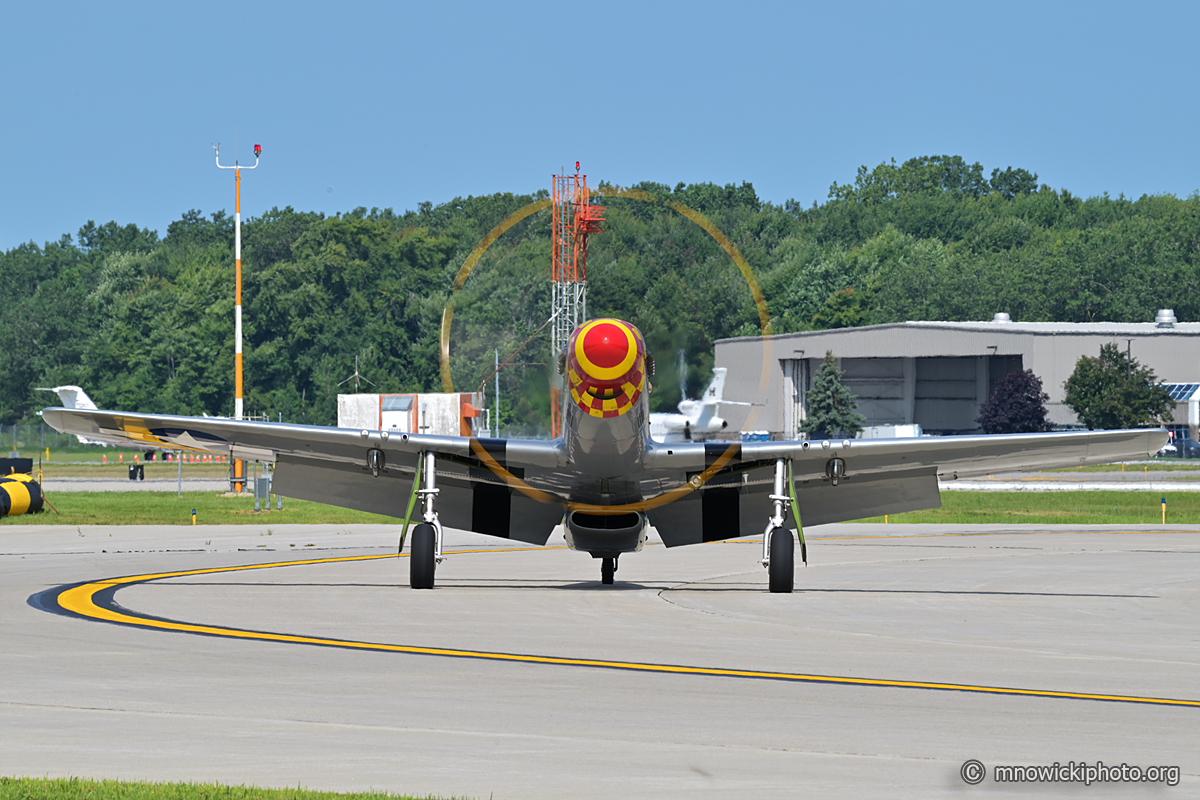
x,y
483,482
966,456
517,488
879,476
952,456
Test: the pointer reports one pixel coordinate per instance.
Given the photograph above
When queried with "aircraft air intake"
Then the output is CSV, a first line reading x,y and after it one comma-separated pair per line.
x,y
605,533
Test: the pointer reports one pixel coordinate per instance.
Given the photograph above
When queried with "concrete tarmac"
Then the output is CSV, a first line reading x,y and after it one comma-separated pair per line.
x,y
888,668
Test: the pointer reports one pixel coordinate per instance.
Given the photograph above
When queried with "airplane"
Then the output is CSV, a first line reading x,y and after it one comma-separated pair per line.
x,y
75,397
697,420
605,480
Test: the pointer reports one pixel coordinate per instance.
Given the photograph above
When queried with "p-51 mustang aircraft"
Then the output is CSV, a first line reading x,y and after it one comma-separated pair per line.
x,y
605,479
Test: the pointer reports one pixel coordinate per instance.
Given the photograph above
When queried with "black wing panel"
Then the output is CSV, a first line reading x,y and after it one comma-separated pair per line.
x,y
732,504
469,498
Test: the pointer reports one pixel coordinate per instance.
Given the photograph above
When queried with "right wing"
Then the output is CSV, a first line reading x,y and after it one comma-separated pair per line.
x,y
482,482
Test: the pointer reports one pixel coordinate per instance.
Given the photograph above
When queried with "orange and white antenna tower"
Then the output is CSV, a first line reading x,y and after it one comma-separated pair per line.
x,y
575,219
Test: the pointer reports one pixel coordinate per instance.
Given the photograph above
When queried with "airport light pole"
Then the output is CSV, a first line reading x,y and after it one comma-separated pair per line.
x,y
238,465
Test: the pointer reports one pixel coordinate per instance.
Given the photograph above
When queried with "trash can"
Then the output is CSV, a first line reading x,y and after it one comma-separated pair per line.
x,y
133,472
141,468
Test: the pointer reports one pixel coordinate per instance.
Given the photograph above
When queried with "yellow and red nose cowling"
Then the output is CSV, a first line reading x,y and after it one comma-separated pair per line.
x,y
606,367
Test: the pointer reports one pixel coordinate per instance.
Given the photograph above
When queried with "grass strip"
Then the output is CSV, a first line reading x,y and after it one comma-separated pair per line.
x,y
1056,508
166,508
1024,508
120,472
84,789
1165,465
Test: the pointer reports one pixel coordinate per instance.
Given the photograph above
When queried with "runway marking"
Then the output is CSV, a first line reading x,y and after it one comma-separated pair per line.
x,y
95,600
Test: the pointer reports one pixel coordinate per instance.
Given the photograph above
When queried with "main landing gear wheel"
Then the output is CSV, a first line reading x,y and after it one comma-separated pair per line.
x,y
421,558
782,570
608,568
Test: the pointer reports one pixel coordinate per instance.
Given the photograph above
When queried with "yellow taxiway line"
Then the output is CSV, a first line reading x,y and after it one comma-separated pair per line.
x,y
81,600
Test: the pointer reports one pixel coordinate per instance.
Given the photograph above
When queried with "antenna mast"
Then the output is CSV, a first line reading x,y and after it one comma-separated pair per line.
x,y
238,464
356,377
575,219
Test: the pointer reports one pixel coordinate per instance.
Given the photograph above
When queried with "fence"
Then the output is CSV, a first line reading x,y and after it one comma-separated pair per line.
x,y
35,436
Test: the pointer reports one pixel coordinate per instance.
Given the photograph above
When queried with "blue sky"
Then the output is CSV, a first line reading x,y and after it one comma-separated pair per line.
x,y
108,111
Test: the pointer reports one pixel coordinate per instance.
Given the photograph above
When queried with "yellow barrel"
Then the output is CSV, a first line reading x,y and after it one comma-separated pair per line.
x,y
19,494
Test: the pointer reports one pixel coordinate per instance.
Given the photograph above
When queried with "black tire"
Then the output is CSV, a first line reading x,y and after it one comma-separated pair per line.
x,y
608,567
420,559
783,561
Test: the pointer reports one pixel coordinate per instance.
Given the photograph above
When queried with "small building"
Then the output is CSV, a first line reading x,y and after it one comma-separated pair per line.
x,y
456,414
938,374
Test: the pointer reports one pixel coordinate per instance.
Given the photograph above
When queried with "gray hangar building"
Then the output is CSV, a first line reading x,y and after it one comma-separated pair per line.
x,y
938,374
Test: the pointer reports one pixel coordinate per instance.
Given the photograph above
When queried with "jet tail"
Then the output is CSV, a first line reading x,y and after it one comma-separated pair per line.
x,y
71,396
715,389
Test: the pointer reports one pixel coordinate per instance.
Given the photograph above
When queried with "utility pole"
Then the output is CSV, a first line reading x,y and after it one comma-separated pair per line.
x,y
239,467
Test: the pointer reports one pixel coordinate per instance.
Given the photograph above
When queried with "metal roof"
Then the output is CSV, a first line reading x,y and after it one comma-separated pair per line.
x,y
1062,327
1025,328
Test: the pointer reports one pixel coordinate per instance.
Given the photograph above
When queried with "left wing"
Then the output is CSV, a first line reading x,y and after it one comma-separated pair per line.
x,y
873,476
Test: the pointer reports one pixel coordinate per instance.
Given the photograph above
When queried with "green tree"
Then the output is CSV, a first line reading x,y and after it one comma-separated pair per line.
x,y
1114,391
845,309
146,323
1017,405
832,409
1012,182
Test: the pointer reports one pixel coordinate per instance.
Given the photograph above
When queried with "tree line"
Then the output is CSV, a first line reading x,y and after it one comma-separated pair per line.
x,y
144,322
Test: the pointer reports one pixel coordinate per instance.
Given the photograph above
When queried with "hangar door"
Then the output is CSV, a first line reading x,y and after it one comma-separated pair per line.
x,y
795,385
949,392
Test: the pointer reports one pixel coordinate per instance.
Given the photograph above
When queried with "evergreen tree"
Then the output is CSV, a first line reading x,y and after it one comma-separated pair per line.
x,y
1017,405
1114,391
832,409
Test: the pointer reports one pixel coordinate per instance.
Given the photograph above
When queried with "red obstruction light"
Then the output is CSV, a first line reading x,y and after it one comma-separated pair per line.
x,y
257,150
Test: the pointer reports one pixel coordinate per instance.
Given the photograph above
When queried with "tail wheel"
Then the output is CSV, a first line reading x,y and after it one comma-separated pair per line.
x,y
421,558
782,570
608,567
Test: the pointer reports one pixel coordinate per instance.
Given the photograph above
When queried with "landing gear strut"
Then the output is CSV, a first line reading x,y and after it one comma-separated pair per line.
x,y
608,568
426,551
779,548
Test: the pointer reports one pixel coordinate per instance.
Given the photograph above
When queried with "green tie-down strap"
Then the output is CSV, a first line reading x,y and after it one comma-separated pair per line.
x,y
795,515
412,500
